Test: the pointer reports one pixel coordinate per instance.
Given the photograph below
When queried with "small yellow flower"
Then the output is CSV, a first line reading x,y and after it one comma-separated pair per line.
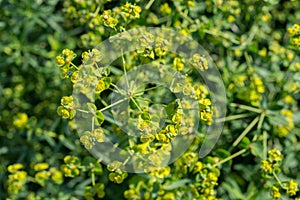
x,y
15,167
275,155
231,18
60,61
267,17
56,176
161,172
292,188
266,167
178,64
289,99
263,52
40,166
237,52
275,192
205,101
294,30
165,9
198,167
191,3
20,120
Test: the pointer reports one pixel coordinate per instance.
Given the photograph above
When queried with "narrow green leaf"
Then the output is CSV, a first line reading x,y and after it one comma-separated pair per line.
x,y
176,184
99,117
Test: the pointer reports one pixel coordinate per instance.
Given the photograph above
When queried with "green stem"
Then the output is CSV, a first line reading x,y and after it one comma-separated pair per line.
x,y
93,123
93,179
103,102
124,68
111,105
230,157
149,4
265,149
152,88
244,133
116,87
83,111
261,120
234,117
126,161
278,180
184,15
136,104
249,108
222,35
97,10
74,65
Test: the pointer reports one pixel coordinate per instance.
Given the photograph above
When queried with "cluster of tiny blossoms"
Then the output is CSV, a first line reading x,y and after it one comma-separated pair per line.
x,y
95,79
284,129
88,13
254,90
64,61
161,185
73,167
270,168
295,35
18,178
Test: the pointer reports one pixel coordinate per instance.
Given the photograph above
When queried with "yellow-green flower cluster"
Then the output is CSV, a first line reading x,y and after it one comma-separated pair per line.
x,y
206,176
165,9
93,15
200,92
206,110
130,11
17,179
91,191
80,12
199,62
256,91
41,177
283,129
40,166
272,163
43,174
127,12
270,167
67,109
231,9
109,19
292,188
194,179
71,166
133,194
64,61
249,88
161,172
165,195
56,176
295,35
178,63
275,192
20,120
117,173
89,138
166,135
153,46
